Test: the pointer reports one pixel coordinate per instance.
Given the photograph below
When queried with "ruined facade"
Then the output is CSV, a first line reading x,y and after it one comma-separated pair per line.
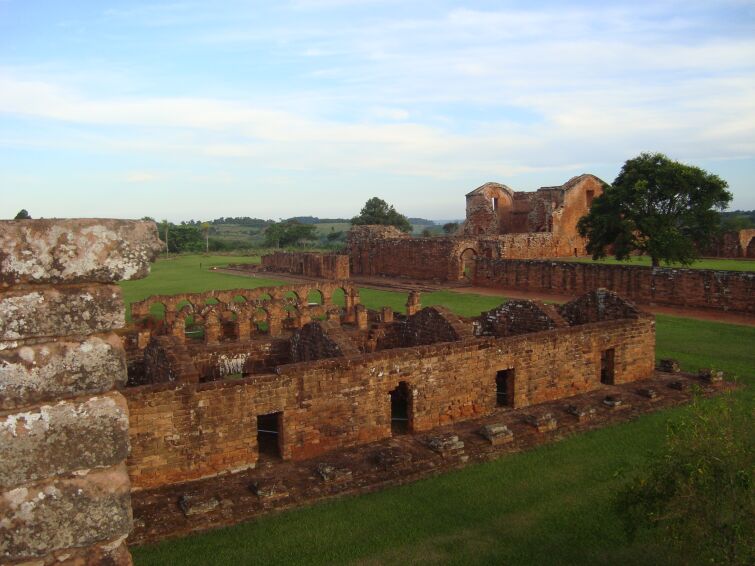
x,y
64,430
733,244
331,377
325,266
494,209
500,223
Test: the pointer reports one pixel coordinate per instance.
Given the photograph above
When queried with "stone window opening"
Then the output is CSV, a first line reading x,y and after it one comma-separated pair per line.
x,y
589,196
268,434
504,388
401,409
607,367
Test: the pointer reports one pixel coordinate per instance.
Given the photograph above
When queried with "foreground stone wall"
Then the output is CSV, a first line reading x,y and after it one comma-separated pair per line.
x,y
64,488
325,266
188,431
732,291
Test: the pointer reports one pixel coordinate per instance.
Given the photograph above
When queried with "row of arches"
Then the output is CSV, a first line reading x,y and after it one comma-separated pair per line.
x,y
240,314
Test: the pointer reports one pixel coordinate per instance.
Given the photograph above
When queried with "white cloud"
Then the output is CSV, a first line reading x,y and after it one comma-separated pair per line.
x,y
141,177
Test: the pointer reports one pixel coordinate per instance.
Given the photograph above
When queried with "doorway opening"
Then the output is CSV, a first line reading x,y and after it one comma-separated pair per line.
x,y
268,434
400,409
504,388
607,366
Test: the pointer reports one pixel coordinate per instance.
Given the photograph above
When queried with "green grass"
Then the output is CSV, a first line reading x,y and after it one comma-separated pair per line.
x,y
550,505
712,263
190,274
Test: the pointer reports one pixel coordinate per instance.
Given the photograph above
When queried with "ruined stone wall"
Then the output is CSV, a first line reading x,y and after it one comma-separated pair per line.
x,y
693,288
376,250
734,244
64,488
520,317
393,254
432,325
192,431
326,266
320,340
260,355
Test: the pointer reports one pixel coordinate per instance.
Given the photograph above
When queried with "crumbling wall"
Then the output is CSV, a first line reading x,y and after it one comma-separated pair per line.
x,y
733,244
320,340
64,488
325,266
732,291
597,306
520,317
432,325
186,432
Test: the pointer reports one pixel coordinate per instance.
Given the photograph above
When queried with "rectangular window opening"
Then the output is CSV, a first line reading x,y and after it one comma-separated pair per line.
x,y
504,388
268,434
607,366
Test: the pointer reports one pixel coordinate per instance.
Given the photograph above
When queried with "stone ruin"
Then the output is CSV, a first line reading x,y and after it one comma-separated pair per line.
x,y
64,429
201,385
230,378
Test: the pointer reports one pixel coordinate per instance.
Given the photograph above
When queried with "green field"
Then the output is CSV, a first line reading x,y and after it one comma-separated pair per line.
x,y
706,263
550,505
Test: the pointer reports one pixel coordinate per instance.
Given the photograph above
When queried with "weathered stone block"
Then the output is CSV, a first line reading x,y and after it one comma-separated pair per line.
x,y
711,375
58,514
72,251
197,504
497,434
54,370
60,438
331,473
60,311
669,365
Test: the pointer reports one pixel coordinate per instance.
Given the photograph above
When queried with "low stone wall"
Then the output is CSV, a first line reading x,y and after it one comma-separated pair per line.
x,y
190,431
325,266
64,488
732,291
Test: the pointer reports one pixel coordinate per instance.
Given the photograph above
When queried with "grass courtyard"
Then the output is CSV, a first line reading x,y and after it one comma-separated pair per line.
x,y
551,505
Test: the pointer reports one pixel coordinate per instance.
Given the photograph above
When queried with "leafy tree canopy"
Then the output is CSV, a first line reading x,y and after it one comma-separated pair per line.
x,y
657,207
22,215
182,237
377,211
450,227
698,492
289,233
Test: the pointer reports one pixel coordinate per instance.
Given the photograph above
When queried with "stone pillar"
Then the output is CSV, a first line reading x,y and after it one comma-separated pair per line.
x,y
360,313
212,328
64,488
274,322
413,304
386,314
178,329
244,326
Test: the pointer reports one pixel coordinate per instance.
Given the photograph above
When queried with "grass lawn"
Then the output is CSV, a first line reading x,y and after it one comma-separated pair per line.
x,y
712,263
550,505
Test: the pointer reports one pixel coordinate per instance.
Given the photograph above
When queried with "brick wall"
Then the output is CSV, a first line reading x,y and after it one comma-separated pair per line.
x,y
192,431
64,488
734,244
385,251
326,266
693,288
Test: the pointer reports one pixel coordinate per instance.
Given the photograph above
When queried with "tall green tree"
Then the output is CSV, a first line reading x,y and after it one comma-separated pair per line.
x,y
698,493
656,207
22,215
377,211
289,233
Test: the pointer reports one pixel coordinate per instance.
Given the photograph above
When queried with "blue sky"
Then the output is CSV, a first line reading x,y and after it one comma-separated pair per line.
x,y
197,110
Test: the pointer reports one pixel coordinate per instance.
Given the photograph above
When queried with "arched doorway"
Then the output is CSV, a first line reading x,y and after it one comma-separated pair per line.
x,y
467,264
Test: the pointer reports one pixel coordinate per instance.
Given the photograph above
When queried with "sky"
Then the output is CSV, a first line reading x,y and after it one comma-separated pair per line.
x,y
196,110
